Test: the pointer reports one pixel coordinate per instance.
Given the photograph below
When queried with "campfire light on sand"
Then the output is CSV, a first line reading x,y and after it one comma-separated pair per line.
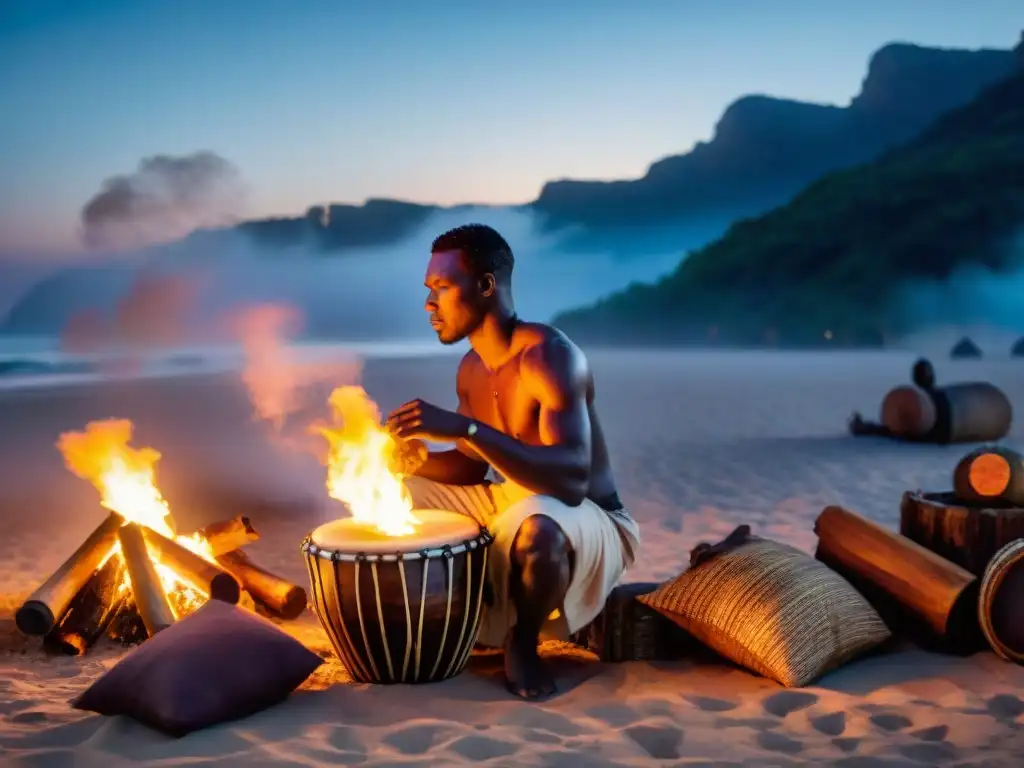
x,y
359,460
125,479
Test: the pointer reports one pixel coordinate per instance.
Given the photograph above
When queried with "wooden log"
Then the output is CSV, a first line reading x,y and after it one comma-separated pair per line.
x,y
127,626
908,412
978,412
965,534
916,592
229,535
91,611
1001,606
992,475
204,576
50,601
277,595
147,588
969,412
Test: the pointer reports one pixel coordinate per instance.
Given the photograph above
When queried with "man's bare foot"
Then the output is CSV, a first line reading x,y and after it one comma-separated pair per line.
x,y
526,675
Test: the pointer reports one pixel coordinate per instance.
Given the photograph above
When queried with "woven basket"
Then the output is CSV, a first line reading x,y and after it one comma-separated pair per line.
x,y
1001,602
770,608
628,630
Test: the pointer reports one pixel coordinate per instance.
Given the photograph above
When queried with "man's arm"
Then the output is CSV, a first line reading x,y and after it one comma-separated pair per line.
x,y
556,373
456,466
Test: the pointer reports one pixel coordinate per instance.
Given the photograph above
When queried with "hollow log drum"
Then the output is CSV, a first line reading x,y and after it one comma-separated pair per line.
x,y
1001,604
400,609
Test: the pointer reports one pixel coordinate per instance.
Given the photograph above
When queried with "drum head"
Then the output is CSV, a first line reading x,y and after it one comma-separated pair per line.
x,y
436,529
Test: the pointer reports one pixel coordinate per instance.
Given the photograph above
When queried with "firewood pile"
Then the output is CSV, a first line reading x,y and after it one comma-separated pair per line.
x,y
129,581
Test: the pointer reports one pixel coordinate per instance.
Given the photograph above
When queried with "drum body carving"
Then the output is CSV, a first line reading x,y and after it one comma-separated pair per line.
x,y
400,609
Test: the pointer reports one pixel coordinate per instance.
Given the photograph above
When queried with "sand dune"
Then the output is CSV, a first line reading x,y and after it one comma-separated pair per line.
x,y
701,443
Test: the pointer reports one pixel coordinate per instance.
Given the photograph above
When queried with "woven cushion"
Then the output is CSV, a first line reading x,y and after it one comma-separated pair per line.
x,y
217,664
770,608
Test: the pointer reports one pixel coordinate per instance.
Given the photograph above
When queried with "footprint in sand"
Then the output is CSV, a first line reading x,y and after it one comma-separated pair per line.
x,y
417,739
890,722
660,743
345,738
935,733
846,745
777,742
479,748
785,702
708,704
830,725
29,718
1005,706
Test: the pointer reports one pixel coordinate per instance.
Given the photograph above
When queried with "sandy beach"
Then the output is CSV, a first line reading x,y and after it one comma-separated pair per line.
x,y
701,442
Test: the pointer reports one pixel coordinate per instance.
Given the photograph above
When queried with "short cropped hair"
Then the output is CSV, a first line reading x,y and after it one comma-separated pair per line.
x,y
483,248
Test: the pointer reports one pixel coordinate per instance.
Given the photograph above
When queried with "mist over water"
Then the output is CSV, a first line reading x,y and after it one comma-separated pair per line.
x,y
361,294
985,305
379,292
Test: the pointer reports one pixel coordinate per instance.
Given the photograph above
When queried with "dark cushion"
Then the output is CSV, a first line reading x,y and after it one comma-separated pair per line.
x,y
220,663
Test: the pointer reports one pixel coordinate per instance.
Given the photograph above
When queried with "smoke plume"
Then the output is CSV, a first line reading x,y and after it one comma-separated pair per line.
x,y
154,312
165,198
286,385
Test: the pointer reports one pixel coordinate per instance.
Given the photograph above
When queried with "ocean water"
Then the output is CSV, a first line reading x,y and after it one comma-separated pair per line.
x,y
38,361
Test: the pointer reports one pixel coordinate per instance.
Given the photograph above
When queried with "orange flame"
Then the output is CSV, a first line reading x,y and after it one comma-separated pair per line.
x,y
125,479
359,459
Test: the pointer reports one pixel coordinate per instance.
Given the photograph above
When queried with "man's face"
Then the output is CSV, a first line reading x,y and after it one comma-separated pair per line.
x,y
455,302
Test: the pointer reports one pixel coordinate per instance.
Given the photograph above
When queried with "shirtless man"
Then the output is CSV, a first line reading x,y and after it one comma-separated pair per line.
x,y
525,413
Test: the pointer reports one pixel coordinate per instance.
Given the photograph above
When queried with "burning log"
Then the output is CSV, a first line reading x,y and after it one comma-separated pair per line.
x,y
127,627
91,610
278,595
229,535
913,589
207,577
47,604
149,593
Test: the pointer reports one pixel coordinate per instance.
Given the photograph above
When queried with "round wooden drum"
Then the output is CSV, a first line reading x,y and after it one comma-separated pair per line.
x,y
400,609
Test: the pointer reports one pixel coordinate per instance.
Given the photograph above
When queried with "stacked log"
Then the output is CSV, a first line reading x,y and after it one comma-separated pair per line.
x,y
110,585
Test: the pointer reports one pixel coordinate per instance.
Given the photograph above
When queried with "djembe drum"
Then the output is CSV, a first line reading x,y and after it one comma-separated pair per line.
x,y
400,609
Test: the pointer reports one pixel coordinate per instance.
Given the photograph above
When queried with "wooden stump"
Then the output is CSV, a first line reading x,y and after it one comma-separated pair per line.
x,y
991,475
966,535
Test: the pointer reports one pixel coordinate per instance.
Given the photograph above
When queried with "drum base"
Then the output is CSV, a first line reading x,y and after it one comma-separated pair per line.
x,y
401,617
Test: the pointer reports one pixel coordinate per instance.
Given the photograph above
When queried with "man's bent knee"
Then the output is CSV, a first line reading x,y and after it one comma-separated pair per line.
x,y
540,535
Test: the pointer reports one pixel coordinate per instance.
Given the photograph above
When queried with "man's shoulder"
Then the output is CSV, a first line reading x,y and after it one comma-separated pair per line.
x,y
548,349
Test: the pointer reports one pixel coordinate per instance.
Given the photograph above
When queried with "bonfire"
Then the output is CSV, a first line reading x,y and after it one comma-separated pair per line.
x,y
135,575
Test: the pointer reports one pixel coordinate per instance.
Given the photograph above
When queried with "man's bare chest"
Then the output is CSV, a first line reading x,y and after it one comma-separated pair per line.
x,y
500,400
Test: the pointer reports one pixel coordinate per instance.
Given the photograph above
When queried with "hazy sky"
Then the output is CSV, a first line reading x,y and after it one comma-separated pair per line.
x,y
429,100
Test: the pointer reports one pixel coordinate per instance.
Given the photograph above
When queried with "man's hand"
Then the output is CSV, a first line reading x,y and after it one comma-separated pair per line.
x,y
420,419
409,456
